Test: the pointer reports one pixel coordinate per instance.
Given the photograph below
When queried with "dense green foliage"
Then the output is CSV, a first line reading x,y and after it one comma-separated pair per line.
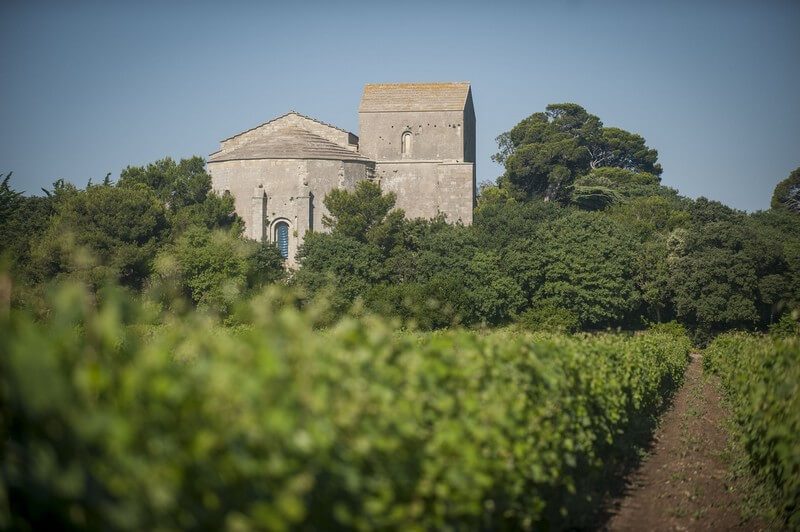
x,y
584,264
578,233
116,417
787,193
122,228
158,221
654,257
210,266
547,153
761,376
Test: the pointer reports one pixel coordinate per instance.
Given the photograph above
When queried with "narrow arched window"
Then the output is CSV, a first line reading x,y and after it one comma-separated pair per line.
x,y
282,238
405,144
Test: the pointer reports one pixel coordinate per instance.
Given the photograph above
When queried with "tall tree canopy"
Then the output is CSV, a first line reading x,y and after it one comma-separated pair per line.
x,y
787,193
185,190
176,184
585,263
361,214
119,229
545,153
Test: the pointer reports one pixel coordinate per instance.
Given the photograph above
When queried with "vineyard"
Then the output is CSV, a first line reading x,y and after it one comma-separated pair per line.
x,y
564,295
116,417
761,376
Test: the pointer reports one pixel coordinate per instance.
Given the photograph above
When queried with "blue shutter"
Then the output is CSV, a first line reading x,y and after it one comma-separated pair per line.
x,y
282,237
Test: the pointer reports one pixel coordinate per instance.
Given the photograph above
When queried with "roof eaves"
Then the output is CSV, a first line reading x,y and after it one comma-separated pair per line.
x,y
335,151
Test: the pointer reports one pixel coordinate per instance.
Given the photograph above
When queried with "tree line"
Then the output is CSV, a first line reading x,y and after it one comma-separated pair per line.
x,y
577,234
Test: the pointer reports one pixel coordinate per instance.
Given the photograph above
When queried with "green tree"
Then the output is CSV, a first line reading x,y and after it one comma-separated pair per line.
x,y
547,170
787,193
266,265
493,297
175,184
10,200
362,214
621,149
651,215
462,275
338,266
594,193
23,221
102,234
545,153
716,272
211,267
653,279
584,263
12,204
214,212
782,289
500,219
704,211
185,190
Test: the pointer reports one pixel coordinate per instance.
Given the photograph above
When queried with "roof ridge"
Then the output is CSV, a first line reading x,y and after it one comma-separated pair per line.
x,y
302,130
284,115
319,122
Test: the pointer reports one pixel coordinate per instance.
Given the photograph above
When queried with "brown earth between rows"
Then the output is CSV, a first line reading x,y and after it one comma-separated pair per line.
x,y
683,483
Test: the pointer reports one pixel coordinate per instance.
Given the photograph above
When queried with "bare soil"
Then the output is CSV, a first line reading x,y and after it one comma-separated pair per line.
x,y
683,483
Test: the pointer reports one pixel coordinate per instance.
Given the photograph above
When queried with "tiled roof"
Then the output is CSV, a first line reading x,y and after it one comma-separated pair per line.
x,y
285,115
289,142
379,97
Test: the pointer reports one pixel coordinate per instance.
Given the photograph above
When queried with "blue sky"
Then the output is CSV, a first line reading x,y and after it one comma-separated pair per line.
x,y
91,87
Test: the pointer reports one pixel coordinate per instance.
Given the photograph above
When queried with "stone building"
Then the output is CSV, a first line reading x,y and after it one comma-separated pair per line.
x,y
416,140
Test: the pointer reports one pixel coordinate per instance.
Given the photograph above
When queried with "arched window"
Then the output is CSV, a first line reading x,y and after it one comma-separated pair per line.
x,y
405,144
282,238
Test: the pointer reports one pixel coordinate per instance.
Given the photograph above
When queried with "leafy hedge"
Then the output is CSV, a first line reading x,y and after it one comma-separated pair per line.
x,y
761,376
110,420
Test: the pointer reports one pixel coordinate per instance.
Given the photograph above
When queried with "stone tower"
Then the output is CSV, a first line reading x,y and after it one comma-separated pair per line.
x,y
422,139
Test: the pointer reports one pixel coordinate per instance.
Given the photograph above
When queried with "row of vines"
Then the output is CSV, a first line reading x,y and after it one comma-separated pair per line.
x,y
113,418
761,378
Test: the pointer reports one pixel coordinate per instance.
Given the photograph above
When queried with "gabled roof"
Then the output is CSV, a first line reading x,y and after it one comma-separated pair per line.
x,y
381,97
284,116
290,142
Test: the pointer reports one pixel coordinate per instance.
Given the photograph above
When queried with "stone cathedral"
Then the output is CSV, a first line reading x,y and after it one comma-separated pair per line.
x,y
415,139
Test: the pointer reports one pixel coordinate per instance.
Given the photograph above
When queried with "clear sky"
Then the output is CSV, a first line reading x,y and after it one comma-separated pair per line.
x,y
91,87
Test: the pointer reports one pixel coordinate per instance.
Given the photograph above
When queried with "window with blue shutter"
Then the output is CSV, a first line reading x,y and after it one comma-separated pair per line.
x,y
282,238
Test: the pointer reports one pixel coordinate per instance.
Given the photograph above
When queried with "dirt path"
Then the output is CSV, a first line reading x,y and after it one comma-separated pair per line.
x,y
683,483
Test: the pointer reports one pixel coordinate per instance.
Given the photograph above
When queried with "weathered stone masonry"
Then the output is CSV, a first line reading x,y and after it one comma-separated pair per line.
x,y
417,140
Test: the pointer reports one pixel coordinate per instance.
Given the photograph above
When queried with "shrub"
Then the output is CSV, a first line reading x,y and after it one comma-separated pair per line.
x,y
550,318
761,377
112,421
787,326
210,266
670,327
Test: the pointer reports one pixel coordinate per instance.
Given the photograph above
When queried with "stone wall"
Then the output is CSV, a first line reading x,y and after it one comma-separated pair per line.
x,y
436,135
267,191
424,189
